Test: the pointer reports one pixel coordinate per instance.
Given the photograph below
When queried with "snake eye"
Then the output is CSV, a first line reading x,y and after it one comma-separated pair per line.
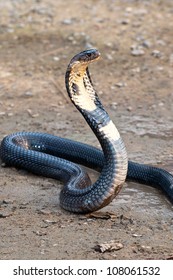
x,y
89,54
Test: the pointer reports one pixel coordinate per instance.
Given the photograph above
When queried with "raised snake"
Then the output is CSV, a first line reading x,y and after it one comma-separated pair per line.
x,y
54,157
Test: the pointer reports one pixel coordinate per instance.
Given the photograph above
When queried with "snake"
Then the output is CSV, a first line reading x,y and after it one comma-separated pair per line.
x,y
62,159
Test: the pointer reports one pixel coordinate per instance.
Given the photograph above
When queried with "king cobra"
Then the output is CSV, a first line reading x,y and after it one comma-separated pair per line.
x,y
58,158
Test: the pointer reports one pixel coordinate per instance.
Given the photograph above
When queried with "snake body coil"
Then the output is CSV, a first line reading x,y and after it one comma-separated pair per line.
x,y
51,156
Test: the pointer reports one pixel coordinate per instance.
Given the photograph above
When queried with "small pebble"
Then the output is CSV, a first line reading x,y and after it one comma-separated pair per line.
x,y
156,53
121,84
125,21
129,108
129,9
67,21
49,221
5,214
160,104
2,113
159,68
56,58
161,43
146,248
137,50
114,105
7,201
28,93
136,235
136,70
109,44
40,233
146,44
44,212
10,114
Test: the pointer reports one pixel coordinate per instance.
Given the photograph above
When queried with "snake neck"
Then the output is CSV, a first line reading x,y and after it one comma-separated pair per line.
x,y
82,93
80,90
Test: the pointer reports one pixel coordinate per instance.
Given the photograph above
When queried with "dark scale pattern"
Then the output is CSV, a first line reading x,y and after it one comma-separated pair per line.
x,y
51,156
76,152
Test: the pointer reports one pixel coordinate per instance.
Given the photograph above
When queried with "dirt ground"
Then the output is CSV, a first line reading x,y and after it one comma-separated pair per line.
x,y
134,79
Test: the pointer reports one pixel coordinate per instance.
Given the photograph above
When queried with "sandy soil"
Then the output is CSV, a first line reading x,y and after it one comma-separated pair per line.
x,y
135,82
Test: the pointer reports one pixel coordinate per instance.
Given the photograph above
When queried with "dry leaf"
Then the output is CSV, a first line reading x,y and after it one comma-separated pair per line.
x,y
102,215
109,246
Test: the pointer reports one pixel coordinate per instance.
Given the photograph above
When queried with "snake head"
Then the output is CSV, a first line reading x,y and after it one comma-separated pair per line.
x,y
85,57
80,61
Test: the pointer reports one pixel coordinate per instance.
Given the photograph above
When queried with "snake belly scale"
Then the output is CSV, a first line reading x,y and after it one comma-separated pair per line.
x,y
51,156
